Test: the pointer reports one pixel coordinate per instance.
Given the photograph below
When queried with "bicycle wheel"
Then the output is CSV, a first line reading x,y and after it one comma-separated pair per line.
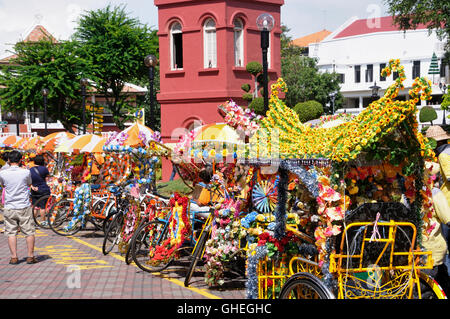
x,y
197,255
305,286
59,216
48,201
97,209
112,234
110,212
149,235
429,288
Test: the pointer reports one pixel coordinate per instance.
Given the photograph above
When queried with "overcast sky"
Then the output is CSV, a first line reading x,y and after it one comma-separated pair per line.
x,y
302,17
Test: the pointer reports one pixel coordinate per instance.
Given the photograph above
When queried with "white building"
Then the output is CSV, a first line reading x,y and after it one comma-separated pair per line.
x,y
361,48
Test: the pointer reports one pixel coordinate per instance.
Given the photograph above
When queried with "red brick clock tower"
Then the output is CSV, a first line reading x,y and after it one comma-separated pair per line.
x,y
204,46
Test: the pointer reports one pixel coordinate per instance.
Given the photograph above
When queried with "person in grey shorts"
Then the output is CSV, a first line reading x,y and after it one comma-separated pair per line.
x,y
17,210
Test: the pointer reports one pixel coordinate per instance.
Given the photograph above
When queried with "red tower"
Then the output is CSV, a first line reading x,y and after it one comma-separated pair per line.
x,y
204,46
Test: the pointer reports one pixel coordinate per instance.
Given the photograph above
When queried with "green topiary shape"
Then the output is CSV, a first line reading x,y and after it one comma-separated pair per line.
x,y
247,97
254,68
308,111
427,114
257,106
246,87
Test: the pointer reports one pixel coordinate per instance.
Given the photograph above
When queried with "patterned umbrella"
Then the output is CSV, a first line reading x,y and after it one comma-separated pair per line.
x,y
218,133
10,140
77,143
52,140
135,135
94,146
33,143
20,144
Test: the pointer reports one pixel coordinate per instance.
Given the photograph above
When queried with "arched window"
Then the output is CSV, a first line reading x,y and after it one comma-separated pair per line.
x,y
209,44
238,42
176,46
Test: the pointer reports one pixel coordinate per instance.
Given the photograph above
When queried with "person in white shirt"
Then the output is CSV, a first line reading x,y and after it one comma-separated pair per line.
x,y
17,207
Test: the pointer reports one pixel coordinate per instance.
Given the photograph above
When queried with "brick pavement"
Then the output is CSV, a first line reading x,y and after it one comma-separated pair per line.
x,y
75,268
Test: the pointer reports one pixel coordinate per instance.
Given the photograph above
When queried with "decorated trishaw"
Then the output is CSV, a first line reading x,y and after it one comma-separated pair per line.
x,y
143,149
353,202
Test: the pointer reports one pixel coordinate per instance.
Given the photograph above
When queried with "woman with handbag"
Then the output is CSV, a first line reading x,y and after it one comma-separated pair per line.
x,y
39,186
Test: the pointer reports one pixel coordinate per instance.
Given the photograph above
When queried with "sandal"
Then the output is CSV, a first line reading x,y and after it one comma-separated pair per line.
x,y
14,261
31,260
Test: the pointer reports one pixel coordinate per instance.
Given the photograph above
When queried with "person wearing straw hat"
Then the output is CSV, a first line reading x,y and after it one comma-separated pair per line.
x,y
437,133
439,242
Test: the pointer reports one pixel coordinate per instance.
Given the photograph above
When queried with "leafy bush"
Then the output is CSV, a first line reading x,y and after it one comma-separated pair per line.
x,y
257,106
308,110
254,68
246,87
247,97
427,114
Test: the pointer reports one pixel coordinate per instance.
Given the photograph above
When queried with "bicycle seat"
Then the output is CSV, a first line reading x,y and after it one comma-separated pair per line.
x,y
95,186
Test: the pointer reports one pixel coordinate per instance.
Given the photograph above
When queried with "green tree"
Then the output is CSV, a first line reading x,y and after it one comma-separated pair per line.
x,y
305,82
303,79
117,45
254,68
257,106
44,64
435,14
427,114
309,110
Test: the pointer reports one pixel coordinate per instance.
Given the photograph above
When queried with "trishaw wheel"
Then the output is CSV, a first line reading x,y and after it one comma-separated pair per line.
x,y
128,255
198,254
110,213
112,234
305,286
60,217
429,288
97,209
49,200
150,234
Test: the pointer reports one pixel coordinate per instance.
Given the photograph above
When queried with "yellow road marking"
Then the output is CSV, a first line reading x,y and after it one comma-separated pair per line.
x,y
175,281
67,255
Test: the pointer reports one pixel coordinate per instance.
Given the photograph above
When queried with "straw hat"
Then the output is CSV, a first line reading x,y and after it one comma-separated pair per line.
x,y
436,132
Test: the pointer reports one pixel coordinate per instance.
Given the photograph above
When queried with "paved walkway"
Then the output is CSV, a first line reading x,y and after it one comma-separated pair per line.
x,y
75,267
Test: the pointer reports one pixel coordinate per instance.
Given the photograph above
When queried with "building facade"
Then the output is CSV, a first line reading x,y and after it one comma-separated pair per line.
x,y
361,48
204,46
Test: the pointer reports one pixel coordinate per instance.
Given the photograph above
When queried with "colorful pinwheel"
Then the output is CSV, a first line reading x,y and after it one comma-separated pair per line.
x,y
264,196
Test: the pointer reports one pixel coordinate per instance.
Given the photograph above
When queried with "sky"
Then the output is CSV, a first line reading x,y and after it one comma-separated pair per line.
x,y
302,17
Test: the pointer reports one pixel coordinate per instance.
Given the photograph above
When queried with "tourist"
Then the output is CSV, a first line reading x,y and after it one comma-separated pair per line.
x,y
436,242
5,165
39,187
17,209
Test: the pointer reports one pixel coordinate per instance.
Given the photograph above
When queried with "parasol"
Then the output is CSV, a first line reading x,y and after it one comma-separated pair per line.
x,y
217,133
32,143
10,140
52,140
77,143
134,136
94,146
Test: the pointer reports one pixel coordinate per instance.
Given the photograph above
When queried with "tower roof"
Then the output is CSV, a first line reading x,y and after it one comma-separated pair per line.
x,y
37,34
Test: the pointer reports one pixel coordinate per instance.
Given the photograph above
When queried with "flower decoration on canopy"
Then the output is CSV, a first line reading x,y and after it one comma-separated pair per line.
x,y
240,119
345,142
